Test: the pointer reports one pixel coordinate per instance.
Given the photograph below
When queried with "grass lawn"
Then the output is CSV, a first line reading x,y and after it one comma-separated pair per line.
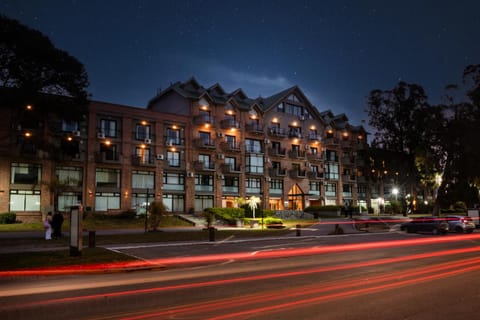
x,y
55,257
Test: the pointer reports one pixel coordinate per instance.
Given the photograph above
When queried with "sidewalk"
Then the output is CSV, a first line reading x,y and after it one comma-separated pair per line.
x,y
34,241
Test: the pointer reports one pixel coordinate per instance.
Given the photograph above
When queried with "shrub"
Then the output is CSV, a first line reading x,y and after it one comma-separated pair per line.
x,y
460,206
156,210
272,220
8,218
228,214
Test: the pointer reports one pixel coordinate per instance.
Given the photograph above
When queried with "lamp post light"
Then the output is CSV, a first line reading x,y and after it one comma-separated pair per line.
x,y
395,192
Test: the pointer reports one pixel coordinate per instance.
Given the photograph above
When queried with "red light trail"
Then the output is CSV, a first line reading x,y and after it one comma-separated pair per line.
x,y
240,256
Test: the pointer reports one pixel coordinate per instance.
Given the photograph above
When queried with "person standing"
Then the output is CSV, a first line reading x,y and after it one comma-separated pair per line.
x,y
48,226
57,221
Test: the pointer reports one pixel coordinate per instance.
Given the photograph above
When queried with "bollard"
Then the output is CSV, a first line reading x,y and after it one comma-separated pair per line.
x,y
91,239
299,232
211,233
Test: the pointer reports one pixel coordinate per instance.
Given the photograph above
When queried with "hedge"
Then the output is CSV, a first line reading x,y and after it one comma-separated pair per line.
x,y
8,218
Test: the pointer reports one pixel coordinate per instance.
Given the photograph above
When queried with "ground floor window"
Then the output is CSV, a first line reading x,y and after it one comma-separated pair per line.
x,y
140,201
174,202
105,201
24,200
203,202
275,204
69,199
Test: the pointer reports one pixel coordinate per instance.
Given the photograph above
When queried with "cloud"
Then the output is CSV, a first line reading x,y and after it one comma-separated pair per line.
x,y
253,84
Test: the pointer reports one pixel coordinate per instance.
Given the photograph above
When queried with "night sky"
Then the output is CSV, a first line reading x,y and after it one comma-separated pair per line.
x,y
335,51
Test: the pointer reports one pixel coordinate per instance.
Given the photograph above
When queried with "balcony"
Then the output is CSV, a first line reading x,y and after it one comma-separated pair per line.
x,y
348,177
348,161
107,157
277,132
230,146
346,144
142,161
254,128
331,141
277,152
314,175
229,168
253,148
204,119
296,154
277,172
229,124
361,179
314,137
297,173
174,164
295,134
204,144
174,142
203,166
314,157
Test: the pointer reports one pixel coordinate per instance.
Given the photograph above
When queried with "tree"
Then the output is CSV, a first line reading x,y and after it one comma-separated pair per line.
x,y
395,114
31,63
253,202
157,210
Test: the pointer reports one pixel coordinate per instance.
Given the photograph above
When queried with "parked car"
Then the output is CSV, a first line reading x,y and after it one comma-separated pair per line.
x,y
460,224
431,224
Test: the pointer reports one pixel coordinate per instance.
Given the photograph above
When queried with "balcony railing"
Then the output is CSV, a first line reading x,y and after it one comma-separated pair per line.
x,y
297,173
229,124
277,152
296,154
253,148
277,172
204,166
254,128
277,132
142,161
314,137
295,134
203,119
230,146
204,144
314,175
229,168
314,157
107,157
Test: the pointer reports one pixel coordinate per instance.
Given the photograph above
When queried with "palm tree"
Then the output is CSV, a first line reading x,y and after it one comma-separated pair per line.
x,y
253,202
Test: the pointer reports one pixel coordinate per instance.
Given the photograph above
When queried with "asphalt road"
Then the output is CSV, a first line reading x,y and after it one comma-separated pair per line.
x,y
358,276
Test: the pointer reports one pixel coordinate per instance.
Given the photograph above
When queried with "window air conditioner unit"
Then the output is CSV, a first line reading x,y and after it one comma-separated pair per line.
x,y
307,147
169,143
160,156
148,141
76,133
221,156
101,135
267,141
302,118
220,134
191,174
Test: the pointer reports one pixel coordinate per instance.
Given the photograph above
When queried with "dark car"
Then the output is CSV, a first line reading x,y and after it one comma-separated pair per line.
x,y
435,225
460,224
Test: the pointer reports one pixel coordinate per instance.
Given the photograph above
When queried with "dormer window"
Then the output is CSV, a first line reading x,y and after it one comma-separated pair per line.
x,y
204,105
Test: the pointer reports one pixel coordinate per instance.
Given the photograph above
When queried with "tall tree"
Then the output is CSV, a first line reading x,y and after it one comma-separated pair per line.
x,y
31,63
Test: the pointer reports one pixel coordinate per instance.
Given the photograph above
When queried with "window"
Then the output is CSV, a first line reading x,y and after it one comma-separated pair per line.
x,y
107,200
69,125
174,202
71,176
232,161
205,159
109,152
330,155
173,181
254,164
203,202
315,188
140,200
231,141
295,131
331,171
69,199
293,109
173,136
108,127
347,190
276,186
25,173
362,190
144,155
205,137
280,107
330,190
253,145
253,185
143,131
143,180
107,178
230,184
313,150
24,200
173,158
204,182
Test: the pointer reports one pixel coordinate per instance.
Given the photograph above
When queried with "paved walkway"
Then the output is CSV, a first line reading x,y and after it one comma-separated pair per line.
x,y
31,241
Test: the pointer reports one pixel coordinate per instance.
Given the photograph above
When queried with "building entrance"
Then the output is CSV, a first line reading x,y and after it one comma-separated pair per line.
x,y
296,198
